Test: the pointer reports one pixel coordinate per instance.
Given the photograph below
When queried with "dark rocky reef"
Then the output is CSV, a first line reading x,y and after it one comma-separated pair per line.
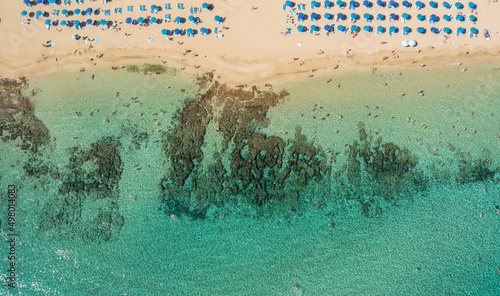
x,y
17,119
90,175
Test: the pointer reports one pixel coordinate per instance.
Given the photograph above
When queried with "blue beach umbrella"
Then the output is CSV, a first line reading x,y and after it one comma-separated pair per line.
x,y
328,16
128,20
393,16
352,4
52,1
64,11
420,17
433,18
88,21
152,20
328,3
421,30
434,30
354,16
367,28
367,3
458,5
217,18
405,3
460,30
26,2
419,4
460,18
341,28
39,1
191,18
314,3
63,23
164,31
102,22
406,29
380,17
140,20
380,3
300,28
287,3
205,5
474,30
47,22
189,31
203,30
392,3
340,3
340,16
446,5
328,28
77,11
313,28
447,30
367,16
447,17
314,16
354,28
178,19
472,18
300,16
24,13
433,4
38,13
77,23
405,16
380,29
89,10
393,29
472,5
177,31
153,7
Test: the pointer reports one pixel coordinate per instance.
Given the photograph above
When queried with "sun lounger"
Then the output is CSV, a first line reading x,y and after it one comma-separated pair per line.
x,y
106,12
220,35
284,6
303,7
288,30
167,5
191,10
167,16
215,30
55,12
142,7
130,8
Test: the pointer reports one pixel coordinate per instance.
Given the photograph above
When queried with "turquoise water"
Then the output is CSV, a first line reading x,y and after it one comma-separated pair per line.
x,y
422,236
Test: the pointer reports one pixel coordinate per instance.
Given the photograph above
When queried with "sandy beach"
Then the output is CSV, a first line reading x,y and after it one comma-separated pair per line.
x,y
251,47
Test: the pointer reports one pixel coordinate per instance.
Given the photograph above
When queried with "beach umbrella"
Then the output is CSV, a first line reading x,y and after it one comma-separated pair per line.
x,y
393,29
447,17
380,3
102,22
367,3
458,5
64,11
341,28
26,2
77,23
287,3
140,20
367,16
419,4
485,31
328,3
47,22
300,28
380,17
412,43
189,31
352,4
178,19
217,18
405,16
314,3
433,18
434,30
354,28
164,31
314,16
39,1
52,1
153,20
474,30
191,18
77,11
421,30
177,31
472,18
472,5
340,16
404,43
63,23
446,5
89,10
24,13
460,18
153,7
340,3
354,16
367,28
300,16
313,28
203,30
328,28
460,30
420,17
205,5
406,29
328,16
380,29
88,21
393,16
433,4
128,20
447,30
405,3
392,3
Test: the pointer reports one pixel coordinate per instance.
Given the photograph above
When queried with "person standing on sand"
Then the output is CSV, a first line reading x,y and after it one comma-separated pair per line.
x,y
92,76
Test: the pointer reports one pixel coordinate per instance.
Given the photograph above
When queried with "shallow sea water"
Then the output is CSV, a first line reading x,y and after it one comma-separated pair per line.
x,y
427,244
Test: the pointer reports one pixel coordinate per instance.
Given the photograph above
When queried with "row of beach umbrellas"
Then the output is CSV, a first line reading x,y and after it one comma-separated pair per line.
x,y
77,23
368,17
391,4
153,7
392,29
